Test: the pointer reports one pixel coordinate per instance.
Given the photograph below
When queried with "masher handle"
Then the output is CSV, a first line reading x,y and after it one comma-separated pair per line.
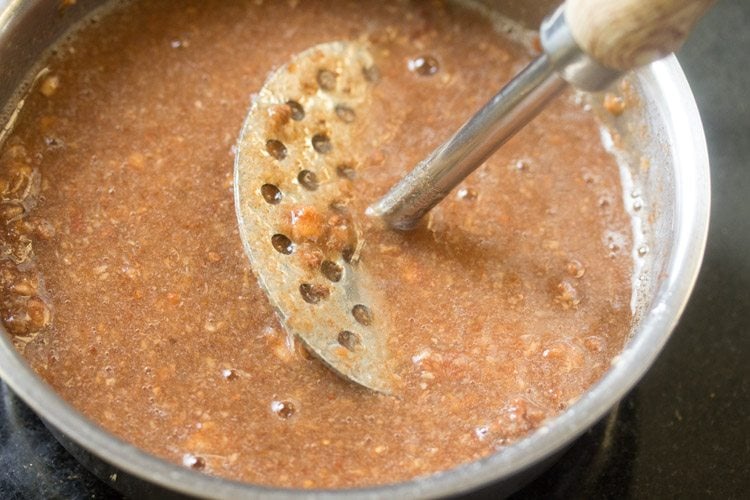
x,y
625,34
587,43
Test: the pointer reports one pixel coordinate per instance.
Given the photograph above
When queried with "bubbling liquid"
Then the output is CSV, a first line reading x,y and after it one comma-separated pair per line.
x,y
126,287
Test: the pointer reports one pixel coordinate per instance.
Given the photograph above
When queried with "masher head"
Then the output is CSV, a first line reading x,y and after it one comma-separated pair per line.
x,y
291,190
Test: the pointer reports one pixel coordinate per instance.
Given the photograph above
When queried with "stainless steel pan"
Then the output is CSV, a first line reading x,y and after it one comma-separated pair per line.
x,y
676,194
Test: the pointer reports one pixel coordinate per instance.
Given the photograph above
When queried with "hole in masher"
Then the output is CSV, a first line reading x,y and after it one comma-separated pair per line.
x,y
298,112
347,254
331,270
346,171
345,113
271,194
312,294
282,244
308,180
362,314
321,143
276,149
349,339
326,79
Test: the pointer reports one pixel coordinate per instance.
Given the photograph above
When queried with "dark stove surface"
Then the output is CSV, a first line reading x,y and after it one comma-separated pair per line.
x,y
32,463
684,431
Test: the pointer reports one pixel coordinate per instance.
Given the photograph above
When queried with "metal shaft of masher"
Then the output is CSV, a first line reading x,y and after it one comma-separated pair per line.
x,y
506,113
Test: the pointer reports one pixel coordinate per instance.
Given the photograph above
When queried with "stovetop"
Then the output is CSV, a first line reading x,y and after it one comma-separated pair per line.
x,y
684,430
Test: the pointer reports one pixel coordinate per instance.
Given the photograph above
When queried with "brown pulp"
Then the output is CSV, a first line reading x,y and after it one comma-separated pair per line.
x,y
126,287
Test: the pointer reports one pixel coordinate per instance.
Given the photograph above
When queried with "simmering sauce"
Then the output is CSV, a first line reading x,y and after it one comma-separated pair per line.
x,y
126,287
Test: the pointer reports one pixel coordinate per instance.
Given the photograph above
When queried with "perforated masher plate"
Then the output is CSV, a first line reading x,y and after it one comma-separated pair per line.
x,y
291,170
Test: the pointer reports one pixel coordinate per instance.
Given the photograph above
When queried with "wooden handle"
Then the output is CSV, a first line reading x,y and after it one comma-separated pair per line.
x,y
625,34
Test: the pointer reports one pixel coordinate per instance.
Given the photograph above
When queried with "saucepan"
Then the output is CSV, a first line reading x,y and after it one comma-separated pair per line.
x,y
673,195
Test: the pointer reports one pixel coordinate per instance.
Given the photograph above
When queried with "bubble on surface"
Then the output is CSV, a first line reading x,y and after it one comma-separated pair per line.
x,y
284,409
426,65
193,461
